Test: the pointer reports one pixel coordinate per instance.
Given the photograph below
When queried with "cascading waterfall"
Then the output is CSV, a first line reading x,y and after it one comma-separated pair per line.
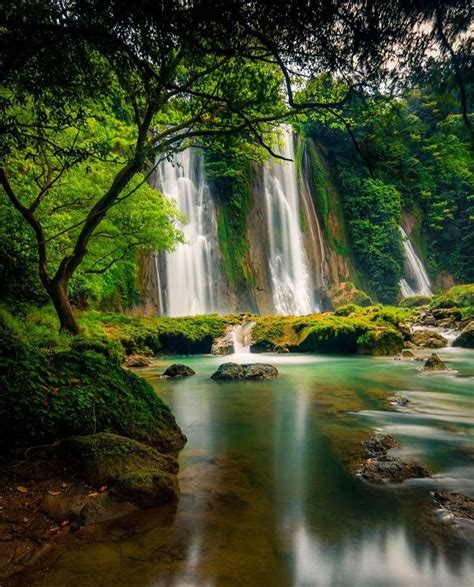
x,y
416,280
291,282
187,273
241,336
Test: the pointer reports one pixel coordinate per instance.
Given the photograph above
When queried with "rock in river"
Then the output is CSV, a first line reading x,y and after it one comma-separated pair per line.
x,y
378,444
234,371
428,339
458,505
134,361
434,363
101,458
178,370
466,338
146,488
392,469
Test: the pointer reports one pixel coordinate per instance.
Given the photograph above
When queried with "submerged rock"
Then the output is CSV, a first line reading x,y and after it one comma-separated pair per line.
x,y
401,401
234,371
428,339
379,444
387,469
146,488
134,361
466,338
178,370
434,363
458,505
100,458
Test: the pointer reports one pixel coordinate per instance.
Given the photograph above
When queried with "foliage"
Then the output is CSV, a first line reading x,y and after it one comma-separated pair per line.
x,y
78,390
231,181
459,296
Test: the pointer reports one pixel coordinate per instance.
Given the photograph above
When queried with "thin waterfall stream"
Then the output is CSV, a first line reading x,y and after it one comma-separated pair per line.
x,y
415,281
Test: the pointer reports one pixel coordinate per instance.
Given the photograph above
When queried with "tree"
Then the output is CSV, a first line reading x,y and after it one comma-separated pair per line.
x,y
181,71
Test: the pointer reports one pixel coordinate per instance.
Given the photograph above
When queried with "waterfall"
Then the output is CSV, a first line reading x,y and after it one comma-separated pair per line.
x,y
241,335
187,274
291,282
415,281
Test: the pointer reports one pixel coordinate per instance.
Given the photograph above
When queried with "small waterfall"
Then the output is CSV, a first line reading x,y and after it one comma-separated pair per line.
x,y
415,281
187,273
291,282
241,335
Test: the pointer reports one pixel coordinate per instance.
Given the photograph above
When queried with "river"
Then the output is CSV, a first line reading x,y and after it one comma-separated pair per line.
x,y
266,497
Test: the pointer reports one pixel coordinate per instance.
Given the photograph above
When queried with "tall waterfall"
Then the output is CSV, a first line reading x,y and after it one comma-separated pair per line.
x,y
185,276
291,282
415,281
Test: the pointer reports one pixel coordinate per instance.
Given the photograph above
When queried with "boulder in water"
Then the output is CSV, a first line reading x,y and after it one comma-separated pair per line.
x,y
146,488
434,363
134,361
234,371
101,458
407,354
466,338
428,339
457,504
387,469
178,370
378,444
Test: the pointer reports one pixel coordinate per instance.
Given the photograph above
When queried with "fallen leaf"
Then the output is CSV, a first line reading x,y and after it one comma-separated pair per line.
x,y
22,489
64,523
93,494
54,493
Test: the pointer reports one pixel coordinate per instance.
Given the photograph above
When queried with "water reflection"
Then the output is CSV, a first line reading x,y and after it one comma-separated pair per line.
x,y
266,499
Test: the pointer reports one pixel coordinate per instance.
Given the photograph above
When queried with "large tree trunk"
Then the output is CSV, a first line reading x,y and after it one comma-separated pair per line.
x,y
58,292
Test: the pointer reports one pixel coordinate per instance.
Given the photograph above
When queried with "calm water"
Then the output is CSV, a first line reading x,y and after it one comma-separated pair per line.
x,y
266,499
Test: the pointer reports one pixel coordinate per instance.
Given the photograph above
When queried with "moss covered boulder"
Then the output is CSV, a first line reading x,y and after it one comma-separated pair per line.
x,y
100,458
380,341
50,394
178,370
234,371
146,488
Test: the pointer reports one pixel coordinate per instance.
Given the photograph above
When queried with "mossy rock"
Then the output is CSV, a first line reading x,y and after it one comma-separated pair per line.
x,y
51,395
146,488
415,301
100,458
347,293
381,341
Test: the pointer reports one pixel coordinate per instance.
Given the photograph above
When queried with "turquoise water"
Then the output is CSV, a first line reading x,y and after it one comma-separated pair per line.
x,y
267,498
